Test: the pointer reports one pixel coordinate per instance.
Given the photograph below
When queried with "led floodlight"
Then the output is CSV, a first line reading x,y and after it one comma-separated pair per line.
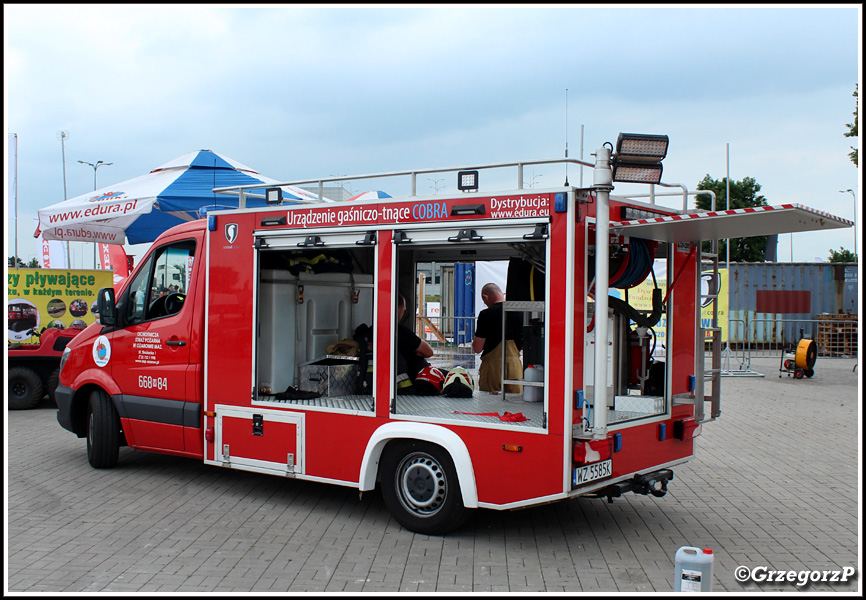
x,y
273,195
637,172
637,147
467,181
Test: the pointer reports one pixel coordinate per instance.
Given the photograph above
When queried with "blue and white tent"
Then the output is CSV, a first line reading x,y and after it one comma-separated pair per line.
x,y
138,210
371,195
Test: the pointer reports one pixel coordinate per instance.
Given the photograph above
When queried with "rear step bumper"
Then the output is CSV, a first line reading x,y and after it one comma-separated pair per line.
x,y
655,483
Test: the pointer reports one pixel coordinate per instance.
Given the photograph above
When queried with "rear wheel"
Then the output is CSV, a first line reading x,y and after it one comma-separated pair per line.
x,y
25,388
420,488
103,431
51,384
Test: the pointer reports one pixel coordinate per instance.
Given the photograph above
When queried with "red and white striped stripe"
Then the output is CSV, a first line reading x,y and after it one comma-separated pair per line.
x,y
736,211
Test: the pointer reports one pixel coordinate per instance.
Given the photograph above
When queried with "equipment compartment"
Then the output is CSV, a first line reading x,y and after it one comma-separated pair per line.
x,y
302,315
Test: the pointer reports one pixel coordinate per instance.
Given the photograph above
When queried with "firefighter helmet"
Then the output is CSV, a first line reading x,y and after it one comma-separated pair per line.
x,y
429,381
458,384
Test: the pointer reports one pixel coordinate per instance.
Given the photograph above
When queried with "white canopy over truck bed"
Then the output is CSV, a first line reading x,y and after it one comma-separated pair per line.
x,y
736,223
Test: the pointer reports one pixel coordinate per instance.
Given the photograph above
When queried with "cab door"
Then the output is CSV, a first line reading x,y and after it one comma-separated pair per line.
x,y
152,345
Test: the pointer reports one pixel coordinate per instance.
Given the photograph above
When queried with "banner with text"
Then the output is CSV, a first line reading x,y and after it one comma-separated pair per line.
x,y
40,298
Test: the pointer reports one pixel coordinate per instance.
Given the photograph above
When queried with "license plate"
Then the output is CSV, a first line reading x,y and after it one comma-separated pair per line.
x,y
591,472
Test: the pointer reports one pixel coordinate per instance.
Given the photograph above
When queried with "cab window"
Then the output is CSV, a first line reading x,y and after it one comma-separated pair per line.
x,y
160,287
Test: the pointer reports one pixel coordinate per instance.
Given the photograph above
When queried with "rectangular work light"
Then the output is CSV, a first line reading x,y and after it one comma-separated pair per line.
x,y
638,157
273,195
637,172
639,147
467,181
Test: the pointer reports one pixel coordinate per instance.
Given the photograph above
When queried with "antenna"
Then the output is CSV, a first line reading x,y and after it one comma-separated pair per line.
x,y
566,136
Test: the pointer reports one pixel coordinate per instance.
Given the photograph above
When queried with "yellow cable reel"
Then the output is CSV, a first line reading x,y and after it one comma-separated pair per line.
x,y
806,354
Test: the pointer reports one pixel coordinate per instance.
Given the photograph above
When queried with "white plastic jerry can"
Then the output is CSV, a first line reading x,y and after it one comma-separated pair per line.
x,y
693,570
532,393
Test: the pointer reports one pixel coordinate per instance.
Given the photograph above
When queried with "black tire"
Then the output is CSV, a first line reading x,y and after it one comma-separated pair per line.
x,y
103,431
808,372
25,388
420,488
51,385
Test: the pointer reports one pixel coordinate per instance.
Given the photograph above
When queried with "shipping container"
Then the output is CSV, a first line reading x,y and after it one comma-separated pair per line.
x,y
774,304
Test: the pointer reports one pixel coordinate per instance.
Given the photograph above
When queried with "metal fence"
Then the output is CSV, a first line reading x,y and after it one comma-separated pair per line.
x,y
450,337
835,336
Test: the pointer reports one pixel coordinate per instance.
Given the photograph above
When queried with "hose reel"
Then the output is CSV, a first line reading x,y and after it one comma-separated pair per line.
x,y
799,361
806,354
628,267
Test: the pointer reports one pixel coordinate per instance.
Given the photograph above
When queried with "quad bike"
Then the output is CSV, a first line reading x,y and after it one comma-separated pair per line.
x,y
34,369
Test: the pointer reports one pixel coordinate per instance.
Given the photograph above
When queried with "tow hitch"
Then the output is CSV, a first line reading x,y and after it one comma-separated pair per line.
x,y
655,483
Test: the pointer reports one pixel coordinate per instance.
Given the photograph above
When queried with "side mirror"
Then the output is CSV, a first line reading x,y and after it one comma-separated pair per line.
x,y
106,308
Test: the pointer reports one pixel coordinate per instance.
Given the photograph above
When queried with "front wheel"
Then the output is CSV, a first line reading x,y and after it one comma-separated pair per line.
x,y
103,431
420,488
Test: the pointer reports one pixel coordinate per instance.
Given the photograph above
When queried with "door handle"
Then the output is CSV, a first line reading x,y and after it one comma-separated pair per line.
x,y
175,343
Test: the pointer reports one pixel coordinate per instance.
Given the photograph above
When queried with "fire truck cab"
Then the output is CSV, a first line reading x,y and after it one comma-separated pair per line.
x,y
228,344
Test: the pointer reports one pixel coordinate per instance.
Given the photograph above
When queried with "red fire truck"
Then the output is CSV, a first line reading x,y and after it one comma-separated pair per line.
x,y
235,363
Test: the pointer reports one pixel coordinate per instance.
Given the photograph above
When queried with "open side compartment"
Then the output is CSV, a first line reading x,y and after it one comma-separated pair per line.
x,y
315,324
681,235
637,333
518,256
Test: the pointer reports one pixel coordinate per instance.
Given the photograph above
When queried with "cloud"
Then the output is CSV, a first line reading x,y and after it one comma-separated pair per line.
x,y
299,91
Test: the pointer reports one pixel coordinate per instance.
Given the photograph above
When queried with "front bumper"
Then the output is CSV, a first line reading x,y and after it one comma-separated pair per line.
x,y
63,395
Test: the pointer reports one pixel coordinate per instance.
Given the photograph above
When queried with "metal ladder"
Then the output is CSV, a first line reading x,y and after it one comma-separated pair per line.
x,y
712,334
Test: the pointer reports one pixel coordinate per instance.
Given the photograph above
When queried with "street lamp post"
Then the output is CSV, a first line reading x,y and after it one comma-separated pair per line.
x,y
849,191
96,166
435,181
63,135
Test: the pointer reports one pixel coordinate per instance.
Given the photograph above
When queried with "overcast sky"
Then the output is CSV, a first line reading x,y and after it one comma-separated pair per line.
x,y
298,92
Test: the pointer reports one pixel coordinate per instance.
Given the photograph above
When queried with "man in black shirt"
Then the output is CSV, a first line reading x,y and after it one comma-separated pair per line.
x,y
412,352
488,338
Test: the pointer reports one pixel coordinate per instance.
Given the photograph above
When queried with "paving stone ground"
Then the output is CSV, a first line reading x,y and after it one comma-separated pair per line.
x,y
775,483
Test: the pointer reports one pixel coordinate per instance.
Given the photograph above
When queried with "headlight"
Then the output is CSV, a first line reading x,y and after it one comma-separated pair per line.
x,y
64,356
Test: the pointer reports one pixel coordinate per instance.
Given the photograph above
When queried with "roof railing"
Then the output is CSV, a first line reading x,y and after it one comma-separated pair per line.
x,y
245,191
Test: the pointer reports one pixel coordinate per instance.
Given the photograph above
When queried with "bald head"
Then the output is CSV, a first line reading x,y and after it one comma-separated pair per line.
x,y
491,294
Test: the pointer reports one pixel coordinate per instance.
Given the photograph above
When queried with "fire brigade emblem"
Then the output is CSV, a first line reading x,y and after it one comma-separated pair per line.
x,y
231,232
101,351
